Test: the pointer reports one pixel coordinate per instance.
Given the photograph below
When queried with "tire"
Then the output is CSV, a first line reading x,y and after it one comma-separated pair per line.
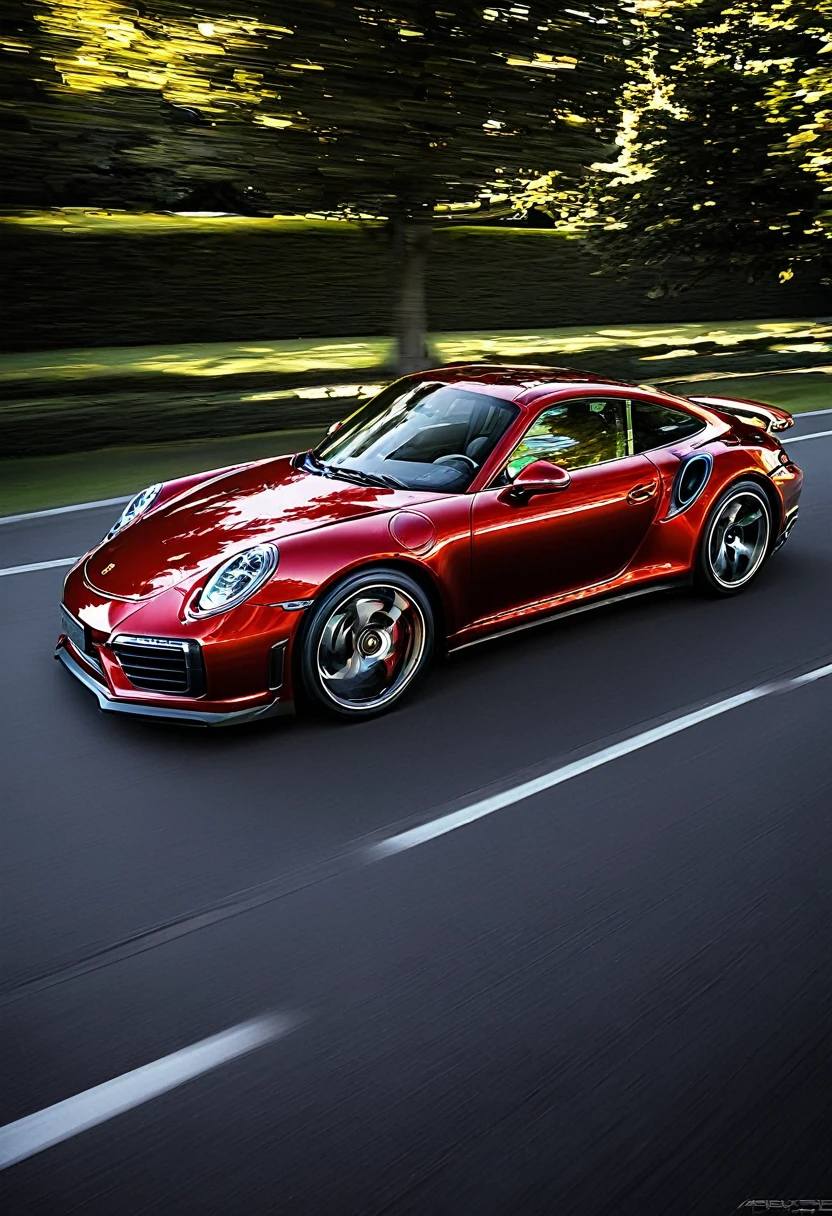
x,y
367,644
735,541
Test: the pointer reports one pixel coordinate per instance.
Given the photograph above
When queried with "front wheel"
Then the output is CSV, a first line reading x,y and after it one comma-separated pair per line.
x,y
735,541
366,644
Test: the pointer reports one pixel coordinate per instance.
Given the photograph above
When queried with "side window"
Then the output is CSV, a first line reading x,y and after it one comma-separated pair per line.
x,y
574,434
656,425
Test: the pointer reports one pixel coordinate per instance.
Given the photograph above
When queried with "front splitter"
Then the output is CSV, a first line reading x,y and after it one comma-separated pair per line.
x,y
163,713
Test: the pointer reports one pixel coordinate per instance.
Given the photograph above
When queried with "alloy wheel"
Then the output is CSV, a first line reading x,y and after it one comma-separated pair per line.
x,y
738,539
370,647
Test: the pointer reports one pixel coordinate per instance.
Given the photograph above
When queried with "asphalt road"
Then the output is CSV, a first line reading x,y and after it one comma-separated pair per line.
x,y
613,996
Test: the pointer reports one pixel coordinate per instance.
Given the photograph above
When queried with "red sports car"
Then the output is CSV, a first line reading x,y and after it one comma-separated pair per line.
x,y
455,506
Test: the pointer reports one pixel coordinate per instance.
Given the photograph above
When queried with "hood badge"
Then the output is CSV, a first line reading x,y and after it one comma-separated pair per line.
x,y
107,569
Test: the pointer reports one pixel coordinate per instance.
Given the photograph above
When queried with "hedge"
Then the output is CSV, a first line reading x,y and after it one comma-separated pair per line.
x,y
76,285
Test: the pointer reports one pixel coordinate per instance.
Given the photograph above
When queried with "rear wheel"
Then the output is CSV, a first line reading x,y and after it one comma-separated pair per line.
x,y
366,644
736,540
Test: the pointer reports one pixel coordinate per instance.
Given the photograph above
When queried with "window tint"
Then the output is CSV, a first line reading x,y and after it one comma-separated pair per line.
x,y
656,425
574,434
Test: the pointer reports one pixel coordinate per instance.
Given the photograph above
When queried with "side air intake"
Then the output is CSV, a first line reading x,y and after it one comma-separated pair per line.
x,y
691,480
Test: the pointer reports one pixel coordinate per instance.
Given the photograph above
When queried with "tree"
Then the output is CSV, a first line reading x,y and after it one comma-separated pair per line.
x,y
703,181
402,112
799,101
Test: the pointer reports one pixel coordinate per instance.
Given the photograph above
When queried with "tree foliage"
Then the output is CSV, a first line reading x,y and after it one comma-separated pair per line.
x,y
373,108
799,102
401,110
414,113
713,163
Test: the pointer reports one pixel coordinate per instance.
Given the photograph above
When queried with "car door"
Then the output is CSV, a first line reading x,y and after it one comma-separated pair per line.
x,y
530,552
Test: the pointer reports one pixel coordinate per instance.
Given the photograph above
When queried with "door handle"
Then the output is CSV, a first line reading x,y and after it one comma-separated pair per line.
x,y
643,492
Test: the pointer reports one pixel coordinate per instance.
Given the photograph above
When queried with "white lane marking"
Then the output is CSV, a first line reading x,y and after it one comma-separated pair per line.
x,y
58,561
33,1133
527,789
78,506
39,1131
810,676
800,438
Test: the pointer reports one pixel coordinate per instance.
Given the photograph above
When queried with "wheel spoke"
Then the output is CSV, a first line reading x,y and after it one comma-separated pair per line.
x,y
336,638
396,609
731,514
741,550
350,669
366,609
721,563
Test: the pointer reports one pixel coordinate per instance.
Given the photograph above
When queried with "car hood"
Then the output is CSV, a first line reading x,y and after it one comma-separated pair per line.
x,y
219,517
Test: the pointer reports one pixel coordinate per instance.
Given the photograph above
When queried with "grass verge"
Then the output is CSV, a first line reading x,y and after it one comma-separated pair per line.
x,y
659,348
81,400
39,482
795,391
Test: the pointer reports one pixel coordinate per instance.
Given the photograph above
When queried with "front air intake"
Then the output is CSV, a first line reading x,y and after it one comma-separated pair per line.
x,y
277,661
164,665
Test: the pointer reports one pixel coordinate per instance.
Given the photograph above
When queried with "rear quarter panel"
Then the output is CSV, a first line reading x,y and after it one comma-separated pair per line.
x,y
671,543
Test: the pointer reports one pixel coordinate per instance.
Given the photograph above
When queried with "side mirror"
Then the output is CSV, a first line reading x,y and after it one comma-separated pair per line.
x,y
539,477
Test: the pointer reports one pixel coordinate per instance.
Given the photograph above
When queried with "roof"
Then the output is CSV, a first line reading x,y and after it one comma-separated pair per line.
x,y
527,384
529,381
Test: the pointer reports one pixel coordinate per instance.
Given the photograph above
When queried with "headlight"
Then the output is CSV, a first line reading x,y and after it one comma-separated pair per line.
x,y
135,507
237,579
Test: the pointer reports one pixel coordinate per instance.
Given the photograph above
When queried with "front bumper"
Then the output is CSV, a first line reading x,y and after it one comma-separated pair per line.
x,y
167,711
229,672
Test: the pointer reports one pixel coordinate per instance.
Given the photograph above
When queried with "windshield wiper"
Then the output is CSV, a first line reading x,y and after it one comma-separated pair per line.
x,y
362,478
372,479
313,464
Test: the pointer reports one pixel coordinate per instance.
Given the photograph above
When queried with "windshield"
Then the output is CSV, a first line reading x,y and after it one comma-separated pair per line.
x,y
420,436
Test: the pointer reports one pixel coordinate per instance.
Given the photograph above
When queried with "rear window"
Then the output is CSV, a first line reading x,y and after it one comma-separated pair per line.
x,y
656,425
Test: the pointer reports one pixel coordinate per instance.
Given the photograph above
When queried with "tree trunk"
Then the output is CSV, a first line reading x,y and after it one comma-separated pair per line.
x,y
411,241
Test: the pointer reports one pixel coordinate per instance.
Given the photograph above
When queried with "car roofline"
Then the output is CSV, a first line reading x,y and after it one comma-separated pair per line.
x,y
531,386
521,384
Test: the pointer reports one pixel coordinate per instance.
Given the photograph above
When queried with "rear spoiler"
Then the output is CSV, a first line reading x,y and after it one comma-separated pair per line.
x,y
769,418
